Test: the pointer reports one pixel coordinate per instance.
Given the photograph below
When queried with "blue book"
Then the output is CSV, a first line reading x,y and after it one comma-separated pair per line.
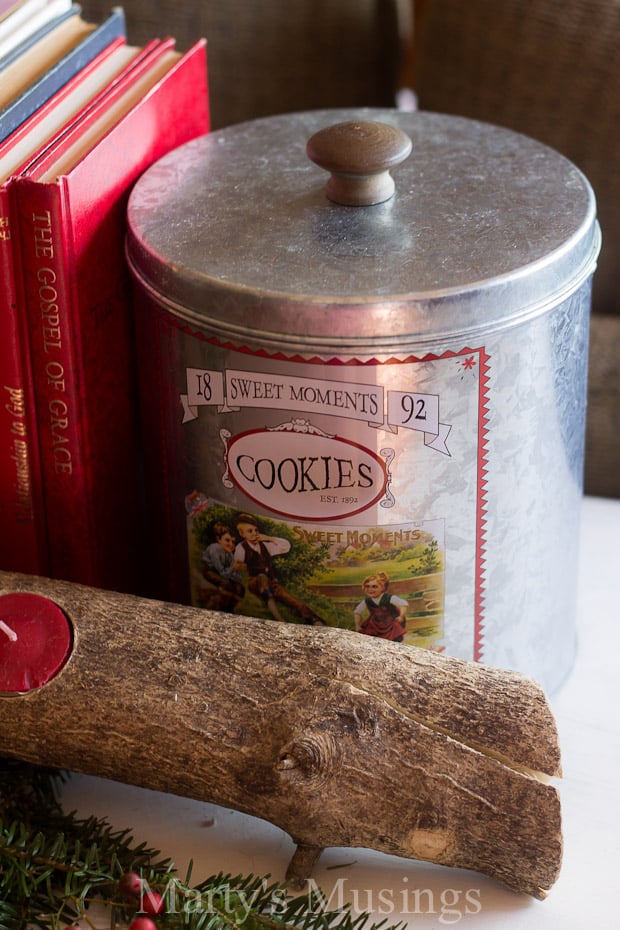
x,y
64,51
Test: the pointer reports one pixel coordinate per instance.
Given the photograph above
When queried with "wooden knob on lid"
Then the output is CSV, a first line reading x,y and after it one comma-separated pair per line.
x,y
359,156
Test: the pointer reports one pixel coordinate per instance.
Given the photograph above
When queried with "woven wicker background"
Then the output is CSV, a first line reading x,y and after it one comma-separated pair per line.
x,y
276,56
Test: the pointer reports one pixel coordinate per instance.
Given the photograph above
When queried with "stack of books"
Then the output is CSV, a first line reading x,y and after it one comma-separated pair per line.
x,y
82,115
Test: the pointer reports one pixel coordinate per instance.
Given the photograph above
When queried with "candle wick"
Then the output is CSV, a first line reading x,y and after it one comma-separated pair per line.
x,y
9,632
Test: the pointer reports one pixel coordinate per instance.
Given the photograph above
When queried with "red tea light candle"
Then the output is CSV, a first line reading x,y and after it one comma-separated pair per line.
x,y
36,639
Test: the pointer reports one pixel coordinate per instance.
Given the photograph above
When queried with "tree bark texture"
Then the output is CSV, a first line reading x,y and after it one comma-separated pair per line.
x,y
340,739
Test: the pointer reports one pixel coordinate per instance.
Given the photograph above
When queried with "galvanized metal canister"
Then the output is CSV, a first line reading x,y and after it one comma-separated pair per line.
x,y
369,416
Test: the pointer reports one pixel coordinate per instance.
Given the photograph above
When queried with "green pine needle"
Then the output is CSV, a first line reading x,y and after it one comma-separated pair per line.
x,y
54,866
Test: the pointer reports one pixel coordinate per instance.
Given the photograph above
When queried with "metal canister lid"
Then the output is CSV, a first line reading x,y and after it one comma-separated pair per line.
x,y
485,228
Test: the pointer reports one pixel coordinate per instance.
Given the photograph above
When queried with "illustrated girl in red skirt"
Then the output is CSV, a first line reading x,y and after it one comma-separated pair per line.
x,y
381,613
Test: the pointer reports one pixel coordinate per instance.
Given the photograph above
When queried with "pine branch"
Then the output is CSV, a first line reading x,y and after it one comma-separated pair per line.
x,y
54,866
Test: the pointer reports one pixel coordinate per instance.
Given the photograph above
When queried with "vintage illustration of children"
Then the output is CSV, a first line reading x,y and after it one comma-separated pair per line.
x,y
220,569
255,552
381,613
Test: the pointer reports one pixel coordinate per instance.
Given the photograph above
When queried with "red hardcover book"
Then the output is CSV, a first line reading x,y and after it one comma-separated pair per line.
x,y
23,544
71,205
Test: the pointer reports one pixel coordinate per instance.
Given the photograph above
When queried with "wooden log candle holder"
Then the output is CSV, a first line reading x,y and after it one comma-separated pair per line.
x,y
339,739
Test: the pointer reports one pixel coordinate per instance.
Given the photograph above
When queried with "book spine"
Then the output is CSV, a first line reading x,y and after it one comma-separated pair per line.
x,y
22,539
45,258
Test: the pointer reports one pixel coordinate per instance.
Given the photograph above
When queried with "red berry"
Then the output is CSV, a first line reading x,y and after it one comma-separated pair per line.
x,y
130,884
142,923
152,903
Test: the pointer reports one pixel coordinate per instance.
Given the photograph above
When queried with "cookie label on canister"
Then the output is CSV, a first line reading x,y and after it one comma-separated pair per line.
x,y
337,477
300,471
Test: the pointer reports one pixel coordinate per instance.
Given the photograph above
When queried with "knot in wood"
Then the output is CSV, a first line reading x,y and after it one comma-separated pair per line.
x,y
310,758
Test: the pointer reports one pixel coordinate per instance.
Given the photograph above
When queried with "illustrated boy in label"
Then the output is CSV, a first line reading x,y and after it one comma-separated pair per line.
x,y
256,552
221,570
381,613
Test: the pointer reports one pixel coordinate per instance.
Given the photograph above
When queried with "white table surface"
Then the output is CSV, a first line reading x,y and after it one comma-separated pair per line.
x,y
587,893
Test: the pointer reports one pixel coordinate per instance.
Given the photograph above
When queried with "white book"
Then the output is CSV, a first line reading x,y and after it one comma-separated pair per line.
x,y
24,19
